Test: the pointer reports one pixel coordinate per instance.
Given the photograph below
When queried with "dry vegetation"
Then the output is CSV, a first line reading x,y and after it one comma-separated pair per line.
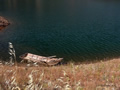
x,y
103,75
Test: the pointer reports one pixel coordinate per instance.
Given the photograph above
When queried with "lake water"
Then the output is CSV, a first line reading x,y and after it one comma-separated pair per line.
x,y
73,29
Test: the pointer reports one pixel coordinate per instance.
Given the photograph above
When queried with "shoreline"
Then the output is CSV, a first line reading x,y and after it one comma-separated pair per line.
x,y
3,23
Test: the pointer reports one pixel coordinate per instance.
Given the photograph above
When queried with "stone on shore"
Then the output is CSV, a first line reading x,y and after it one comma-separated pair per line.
x,y
3,22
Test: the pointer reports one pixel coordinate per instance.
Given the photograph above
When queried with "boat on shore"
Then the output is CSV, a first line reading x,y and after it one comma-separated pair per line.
x,y
50,61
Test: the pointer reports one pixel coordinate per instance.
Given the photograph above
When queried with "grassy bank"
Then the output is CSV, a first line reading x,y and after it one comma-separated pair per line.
x,y
93,76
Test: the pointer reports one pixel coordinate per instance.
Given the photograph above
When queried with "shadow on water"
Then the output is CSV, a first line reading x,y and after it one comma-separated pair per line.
x,y
4,51
78,59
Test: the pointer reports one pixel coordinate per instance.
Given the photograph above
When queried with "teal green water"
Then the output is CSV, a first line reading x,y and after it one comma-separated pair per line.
x,y
73,29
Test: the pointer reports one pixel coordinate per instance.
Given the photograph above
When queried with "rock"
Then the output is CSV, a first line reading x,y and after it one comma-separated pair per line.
x,y
3,22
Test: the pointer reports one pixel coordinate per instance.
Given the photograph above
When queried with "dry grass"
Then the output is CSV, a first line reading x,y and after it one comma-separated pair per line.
x,y
103,75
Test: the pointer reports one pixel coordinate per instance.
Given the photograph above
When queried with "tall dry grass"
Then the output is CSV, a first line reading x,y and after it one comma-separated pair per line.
x,y
104,75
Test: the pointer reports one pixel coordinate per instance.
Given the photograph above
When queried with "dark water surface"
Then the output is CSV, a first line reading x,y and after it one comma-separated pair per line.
x,y
73,29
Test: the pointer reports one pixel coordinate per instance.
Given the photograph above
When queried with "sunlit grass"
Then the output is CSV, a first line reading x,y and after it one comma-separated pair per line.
x,y
92,76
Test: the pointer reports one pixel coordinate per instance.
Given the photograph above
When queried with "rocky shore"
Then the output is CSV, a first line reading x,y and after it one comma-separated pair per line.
x,y
3,23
